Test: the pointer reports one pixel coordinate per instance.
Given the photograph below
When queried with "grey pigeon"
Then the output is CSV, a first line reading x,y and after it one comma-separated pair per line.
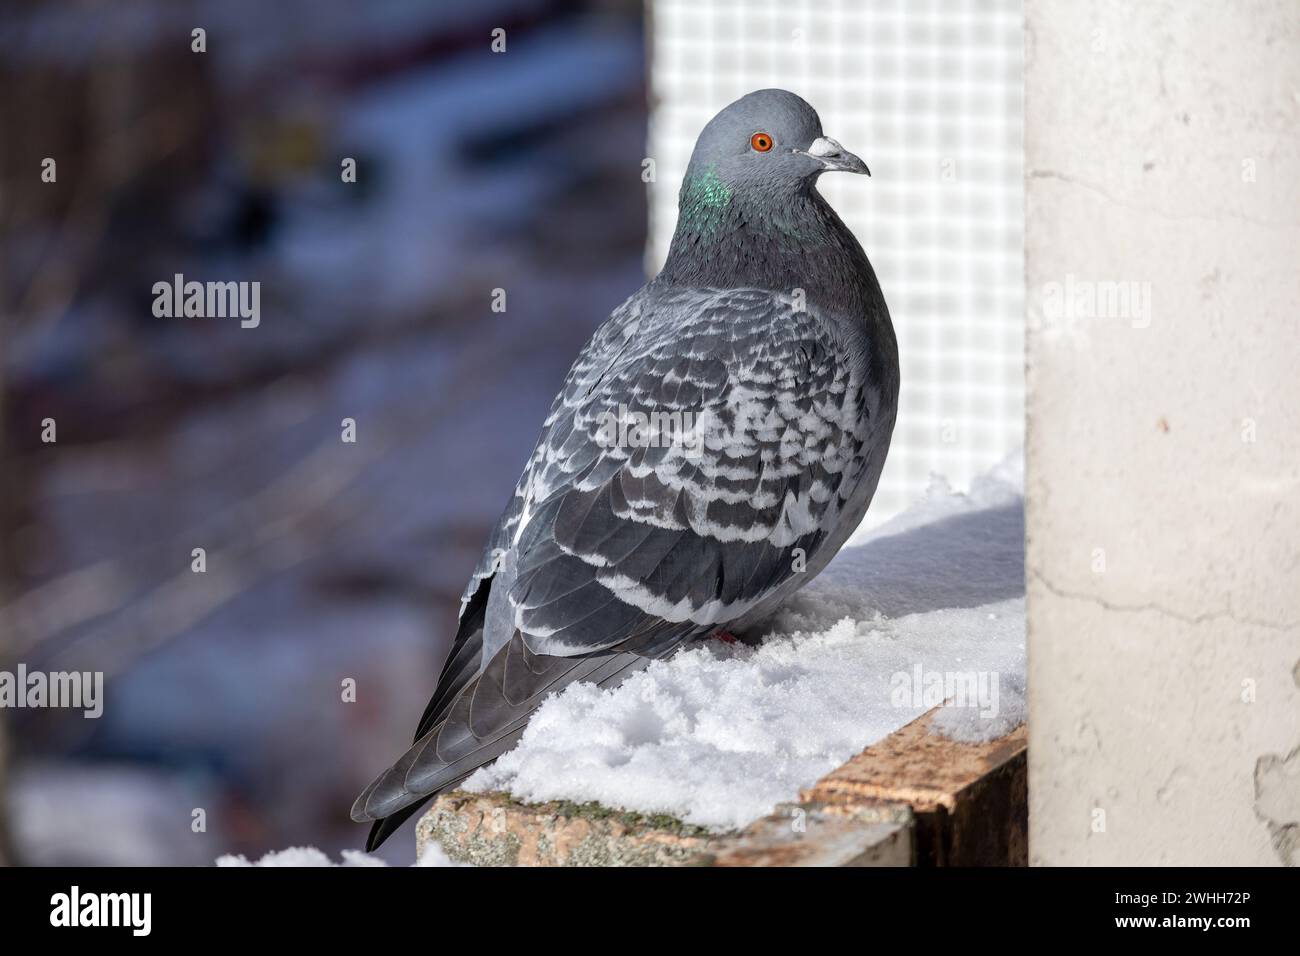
x,y
762,363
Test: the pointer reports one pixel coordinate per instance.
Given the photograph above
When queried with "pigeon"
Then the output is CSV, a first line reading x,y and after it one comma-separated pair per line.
x,y
713,446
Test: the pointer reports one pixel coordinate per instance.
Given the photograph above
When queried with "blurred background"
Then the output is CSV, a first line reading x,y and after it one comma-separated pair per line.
x,y
476,170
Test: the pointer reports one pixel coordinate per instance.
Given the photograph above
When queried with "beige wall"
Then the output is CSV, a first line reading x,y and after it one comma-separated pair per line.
x,y
1163,448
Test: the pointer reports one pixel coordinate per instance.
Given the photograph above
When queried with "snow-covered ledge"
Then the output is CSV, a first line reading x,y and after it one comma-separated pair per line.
x,y
914,798
716,752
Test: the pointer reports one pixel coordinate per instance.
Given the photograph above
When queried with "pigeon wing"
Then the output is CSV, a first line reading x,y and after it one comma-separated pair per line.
x,y
704,464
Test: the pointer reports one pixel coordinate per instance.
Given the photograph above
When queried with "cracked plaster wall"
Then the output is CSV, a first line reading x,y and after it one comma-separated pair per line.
x,y
1163,448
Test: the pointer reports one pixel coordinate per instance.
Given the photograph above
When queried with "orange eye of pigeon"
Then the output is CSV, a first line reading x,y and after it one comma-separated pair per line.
x,y
761,142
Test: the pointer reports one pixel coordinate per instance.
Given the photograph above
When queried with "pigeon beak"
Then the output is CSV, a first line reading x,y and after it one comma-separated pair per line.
x,y
832,155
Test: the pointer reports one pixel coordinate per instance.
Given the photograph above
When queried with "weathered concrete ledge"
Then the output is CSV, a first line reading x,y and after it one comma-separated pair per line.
x,y
815,834
970,800
914,798
493,829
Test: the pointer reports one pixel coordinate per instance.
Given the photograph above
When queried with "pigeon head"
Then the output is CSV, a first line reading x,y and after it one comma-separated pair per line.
x,y
769,140
749,214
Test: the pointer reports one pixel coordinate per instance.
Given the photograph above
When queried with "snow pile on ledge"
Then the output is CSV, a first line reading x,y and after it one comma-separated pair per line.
x,y
929,607
296,856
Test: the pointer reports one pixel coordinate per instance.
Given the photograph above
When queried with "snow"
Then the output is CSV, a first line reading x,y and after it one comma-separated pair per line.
x,y
297,856
928,608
